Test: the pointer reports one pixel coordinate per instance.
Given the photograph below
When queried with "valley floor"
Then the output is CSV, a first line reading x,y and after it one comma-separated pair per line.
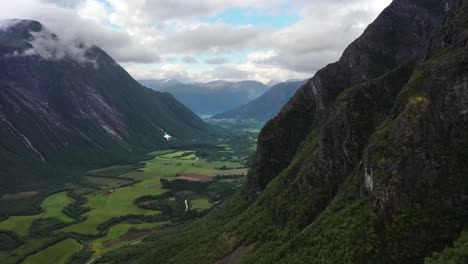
x,y
120,205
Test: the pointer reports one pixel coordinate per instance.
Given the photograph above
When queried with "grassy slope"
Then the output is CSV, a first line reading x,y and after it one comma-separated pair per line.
x,y
52,207
57,254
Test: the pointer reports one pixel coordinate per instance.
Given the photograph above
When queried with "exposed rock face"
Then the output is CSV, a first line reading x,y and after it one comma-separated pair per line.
x,y
417,158
68,103
393,39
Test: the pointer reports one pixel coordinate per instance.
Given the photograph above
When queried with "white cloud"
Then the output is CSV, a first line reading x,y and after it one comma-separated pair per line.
x,y
67,23
46,45
93,10
147,35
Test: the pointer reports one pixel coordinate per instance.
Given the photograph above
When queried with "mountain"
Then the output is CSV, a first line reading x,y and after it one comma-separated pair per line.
x,y
213,97
159,85
272,83
266,106
365,164
69,106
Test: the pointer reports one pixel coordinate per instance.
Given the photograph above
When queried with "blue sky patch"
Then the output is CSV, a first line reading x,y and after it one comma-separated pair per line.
x,y
255,17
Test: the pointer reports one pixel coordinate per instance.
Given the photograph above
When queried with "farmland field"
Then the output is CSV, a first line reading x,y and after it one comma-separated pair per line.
x,y
104,182
57,254
200,204
119,231
112,192
52,207
104,206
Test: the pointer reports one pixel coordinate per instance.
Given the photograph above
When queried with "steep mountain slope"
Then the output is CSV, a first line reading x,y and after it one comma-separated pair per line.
x,y
214,97
68,105
365,164
266,106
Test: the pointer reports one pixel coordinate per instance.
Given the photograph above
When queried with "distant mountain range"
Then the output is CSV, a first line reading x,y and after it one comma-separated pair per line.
x,y
266,106
67,105
210,98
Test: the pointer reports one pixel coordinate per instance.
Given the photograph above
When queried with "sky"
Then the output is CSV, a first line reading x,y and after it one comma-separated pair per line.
x,y
205,40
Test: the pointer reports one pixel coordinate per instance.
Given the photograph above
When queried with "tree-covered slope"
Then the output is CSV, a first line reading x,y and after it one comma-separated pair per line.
x,y
71,106
266,106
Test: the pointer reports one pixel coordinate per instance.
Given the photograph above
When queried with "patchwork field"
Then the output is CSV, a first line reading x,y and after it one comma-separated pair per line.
x,y
105,183
57,254
109,193
119,202
52,207
104,206
109,242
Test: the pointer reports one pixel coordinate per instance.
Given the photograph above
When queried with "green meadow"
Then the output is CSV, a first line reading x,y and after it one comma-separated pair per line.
x,y
115,190
57,254
118,231
200,204
52,206
105,206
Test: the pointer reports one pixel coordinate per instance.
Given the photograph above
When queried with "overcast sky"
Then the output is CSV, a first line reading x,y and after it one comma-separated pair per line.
x,y
204,40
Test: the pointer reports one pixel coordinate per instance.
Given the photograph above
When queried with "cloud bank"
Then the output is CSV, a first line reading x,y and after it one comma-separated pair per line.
x,y
202,40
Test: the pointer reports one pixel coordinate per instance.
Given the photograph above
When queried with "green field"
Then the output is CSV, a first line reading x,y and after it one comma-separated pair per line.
x,y
110,200
104,183
164,165
113,171
57,254
178,154
200,204
118,231
52,207
120,202
29,246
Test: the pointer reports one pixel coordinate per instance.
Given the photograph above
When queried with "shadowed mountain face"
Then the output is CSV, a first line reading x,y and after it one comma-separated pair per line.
x,y
367,163
71,105
213,97
266,106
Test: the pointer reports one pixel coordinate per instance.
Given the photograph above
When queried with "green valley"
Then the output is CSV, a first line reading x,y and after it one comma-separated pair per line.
x,y
119,205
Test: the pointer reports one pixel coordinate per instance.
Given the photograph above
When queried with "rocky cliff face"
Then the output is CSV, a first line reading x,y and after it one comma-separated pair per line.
x,y
70,103
416,158
393,39
382,159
